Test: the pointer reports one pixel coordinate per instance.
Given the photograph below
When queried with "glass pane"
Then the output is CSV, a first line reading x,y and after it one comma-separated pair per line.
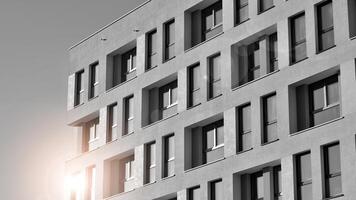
x,y
265,4
170,52
220,135
334,159
194,194
153,42
131,107
130,126
326,16
171,33
218,190
334,185
299,29
195,98
213,32
152,174
305,167
133,61
174,94
318,98
279,181
153,60
260,186
327,40
152,154
216,89
271,131
246,141
306,192
170,168
271,108
113,133
81,98
215,68
209,21
243,14
210,138
96,90
256,57
96,73
332,93
218,16
114,113
243,2
300,52
92,132
196,77
246,118
165,99
326,115
171,147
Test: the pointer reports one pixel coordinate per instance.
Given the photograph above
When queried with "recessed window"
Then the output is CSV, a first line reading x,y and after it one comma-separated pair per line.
x,y
216,190
265,5
150,162
128,63
214,76
214,134
212,20
242,11
298,38
91,134
169,156
304,176
332,170
325,25
94,80
168,98
194,85
152,57
244,127
113,120
257,186
194,193
169,40
129,115
269,118
79,88
352,18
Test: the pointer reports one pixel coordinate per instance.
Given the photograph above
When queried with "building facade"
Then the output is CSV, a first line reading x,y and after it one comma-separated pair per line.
x,y
216,99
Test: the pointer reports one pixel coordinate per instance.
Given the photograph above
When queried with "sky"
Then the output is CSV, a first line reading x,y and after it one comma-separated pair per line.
x,y
35,141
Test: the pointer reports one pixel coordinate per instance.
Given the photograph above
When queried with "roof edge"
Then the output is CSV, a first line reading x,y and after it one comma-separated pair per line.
x,y
108,25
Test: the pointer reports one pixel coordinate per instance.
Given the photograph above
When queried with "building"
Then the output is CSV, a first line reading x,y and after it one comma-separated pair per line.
x,y
217,99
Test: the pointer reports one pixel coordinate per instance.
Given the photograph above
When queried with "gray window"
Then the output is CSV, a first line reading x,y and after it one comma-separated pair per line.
x,y
298,38
269,118
304,176
79,88
128,115
94,80
257,186
168,99
113,120
150,162
242,11
332,170
216,190
253,51
169,40
194,85
265,5
325,100
212,20
128,64
273,52
325,25
352,18
214,76
169,156
152,57
244,126
214,135
277,181
194,193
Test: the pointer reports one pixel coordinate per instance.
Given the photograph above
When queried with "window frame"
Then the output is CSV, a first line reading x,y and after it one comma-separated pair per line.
x,y
113,124
212,189
79,88
239,7
150,51
320,30
293,42
265,121
167,40
168,88
254,185
251,65
241,132
276,183
327,174
191,85
211,80
300,183
190,192
131,55
129,175
213,126
262,10
273,55
95,125
126,114
211,10
167,158
148,161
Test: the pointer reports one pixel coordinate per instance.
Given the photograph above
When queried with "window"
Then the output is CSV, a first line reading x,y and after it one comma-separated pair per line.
x,y
214,76
169,150
332,170
194,193
129,170
273,52
93,130
129,115
244,127
298,38
169,51
304,177
212,20
128,63
352,18
325,25
94,80
151,162
168,98
194,85
277,181
257,186
265,5
79,88
214,135
325,100
90,135
269,118
90,183
152,57
113,120
216,190
253,51
242,11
